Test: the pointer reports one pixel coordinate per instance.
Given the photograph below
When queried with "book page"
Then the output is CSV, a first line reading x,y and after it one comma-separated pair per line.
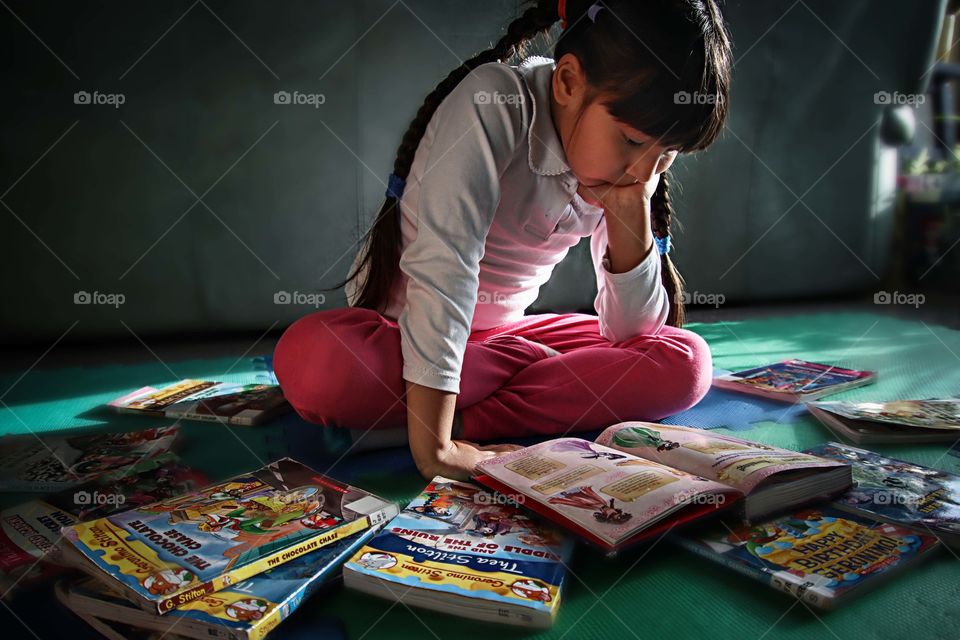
x,y
610,493
731,461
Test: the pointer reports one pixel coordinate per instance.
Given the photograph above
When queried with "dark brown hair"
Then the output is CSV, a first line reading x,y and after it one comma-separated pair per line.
x,y
660,66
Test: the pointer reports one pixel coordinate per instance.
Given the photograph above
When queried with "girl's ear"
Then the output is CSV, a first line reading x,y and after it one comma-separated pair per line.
x,y
569,81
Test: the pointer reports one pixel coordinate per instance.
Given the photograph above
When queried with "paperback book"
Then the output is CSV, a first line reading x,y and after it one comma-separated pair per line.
x,y
794,380
899,492
820,555
240,404
461,550
168,553
894,421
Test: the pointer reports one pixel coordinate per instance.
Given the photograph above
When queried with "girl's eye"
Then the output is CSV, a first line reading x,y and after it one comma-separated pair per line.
x,y
633,142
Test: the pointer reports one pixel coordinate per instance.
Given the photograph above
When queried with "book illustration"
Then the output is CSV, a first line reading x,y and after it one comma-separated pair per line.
x,y
50,463
898,491
732,461
818,555
586,450
457,541
174,550
586,498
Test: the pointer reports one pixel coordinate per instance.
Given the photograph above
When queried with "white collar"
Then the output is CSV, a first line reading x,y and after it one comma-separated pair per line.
x,y
546,155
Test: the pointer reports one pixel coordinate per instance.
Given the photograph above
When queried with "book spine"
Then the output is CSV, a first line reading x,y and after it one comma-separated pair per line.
x,y
277,558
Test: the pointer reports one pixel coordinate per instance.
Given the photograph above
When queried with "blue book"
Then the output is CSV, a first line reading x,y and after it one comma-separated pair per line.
x,y
247,611
819,555
464,551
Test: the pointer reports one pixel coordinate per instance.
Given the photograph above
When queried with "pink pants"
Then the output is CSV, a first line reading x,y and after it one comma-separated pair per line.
x,y
342,367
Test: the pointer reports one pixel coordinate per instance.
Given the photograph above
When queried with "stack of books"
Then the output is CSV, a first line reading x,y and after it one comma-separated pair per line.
x,y
232,559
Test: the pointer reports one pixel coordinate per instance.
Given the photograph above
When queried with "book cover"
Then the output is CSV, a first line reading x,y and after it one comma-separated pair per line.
x,y
248,610
925,414
240,404
819,555
30,531
792,379
53,462
899,491
467,552
175,551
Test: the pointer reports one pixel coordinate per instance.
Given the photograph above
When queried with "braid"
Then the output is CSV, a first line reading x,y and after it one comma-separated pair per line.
x,y
661,213
383,251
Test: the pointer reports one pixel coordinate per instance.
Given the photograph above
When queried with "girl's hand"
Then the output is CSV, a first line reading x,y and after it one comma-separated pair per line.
x,y
459,459
627,213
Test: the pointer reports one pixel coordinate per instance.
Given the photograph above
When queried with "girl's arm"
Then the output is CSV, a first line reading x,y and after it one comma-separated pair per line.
x,y
429,425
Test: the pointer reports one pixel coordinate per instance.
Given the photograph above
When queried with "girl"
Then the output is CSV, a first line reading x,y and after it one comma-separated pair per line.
x,y
503,169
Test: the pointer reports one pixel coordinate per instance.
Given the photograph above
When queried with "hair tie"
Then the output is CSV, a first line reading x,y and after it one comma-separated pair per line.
x,y
562,12
593,11
395,186
663,244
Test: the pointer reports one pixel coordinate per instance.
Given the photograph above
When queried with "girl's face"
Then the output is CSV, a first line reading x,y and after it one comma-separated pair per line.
x,y
602,151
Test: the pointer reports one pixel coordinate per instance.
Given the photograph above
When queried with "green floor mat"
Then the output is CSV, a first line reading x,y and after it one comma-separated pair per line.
x,y
652,592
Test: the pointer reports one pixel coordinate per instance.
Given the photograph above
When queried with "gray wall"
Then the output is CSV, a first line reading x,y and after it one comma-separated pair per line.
x,y
97,198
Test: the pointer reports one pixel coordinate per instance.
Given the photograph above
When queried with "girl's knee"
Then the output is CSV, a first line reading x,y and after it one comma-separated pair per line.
x,y
685,368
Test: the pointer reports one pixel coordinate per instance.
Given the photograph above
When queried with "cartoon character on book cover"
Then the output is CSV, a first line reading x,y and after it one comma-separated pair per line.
x,y
822,546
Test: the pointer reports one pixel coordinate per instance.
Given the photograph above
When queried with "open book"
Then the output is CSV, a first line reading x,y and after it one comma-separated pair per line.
x,y
640,479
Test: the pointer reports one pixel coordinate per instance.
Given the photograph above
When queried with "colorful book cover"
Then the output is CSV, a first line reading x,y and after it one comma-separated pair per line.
x,y
927,414
51,463
248,610
241,404
455,541
794,377
175,551
819,555
898,491
30,531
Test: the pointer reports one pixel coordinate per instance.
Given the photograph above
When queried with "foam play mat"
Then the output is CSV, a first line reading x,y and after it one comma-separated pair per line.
x,y
652,591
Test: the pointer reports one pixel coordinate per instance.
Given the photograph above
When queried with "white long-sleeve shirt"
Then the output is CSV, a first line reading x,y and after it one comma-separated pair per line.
x,y
490,207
